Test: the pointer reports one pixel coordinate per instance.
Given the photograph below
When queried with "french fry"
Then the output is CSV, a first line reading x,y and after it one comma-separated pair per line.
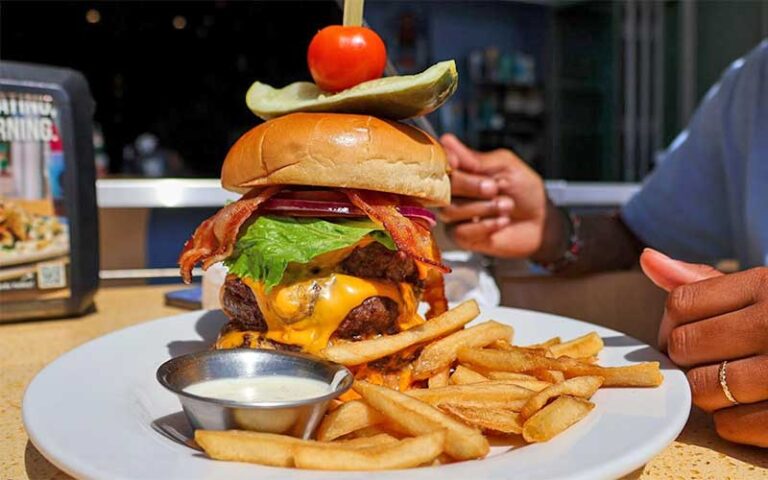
x,y
501,420
583,387
441,354
418,418
535,350
509,376
534,385
585,346
410,452
356,353
645,374
347,418
440,379
555,418
556,375
367,432
273,449
378,440
476,394
500,345
545,344
475,378
518,360
514,405
464,376
345,397
241,446
551,376
442,459
640,375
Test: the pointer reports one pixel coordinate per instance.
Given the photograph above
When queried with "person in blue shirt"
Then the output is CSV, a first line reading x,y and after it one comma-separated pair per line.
x,y
706,200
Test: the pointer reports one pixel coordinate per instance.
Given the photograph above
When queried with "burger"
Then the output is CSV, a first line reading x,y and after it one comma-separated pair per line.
x,y
330,241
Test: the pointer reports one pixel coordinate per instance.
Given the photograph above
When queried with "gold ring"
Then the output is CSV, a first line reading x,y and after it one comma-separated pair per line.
x,y
724,384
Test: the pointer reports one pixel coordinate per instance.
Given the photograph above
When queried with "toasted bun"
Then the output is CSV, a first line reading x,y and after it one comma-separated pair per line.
x,y
339,150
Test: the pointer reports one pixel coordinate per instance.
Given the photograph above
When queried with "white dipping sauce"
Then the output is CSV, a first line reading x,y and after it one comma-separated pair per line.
x,y
277,388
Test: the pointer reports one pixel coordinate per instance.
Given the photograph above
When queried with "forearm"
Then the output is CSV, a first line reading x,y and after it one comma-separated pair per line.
x,y
606,243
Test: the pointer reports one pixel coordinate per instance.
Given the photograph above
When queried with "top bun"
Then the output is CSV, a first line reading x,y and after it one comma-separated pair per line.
x,y
339,150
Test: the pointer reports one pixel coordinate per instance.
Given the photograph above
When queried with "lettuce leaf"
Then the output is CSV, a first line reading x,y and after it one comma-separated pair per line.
x,y
270,243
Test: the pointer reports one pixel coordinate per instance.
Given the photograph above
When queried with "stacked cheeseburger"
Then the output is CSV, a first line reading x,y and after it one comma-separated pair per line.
x,y
331,239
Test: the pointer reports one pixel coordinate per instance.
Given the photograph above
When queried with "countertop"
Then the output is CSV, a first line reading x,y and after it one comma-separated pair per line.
x,y
27,347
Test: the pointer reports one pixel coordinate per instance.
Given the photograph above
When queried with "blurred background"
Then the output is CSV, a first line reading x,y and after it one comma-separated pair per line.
x,y
587,92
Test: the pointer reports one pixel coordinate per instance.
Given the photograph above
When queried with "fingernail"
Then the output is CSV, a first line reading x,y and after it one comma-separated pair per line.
x,y
487,187
502,222
656,252
505,205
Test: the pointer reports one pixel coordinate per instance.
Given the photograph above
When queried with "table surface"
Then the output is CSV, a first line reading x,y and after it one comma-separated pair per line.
x,y
25,348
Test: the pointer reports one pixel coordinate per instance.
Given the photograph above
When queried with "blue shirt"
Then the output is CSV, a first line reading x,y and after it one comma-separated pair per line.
x,y
707,199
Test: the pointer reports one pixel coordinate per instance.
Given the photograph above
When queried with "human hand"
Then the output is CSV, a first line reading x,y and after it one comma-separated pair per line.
x,y
709,318
500,205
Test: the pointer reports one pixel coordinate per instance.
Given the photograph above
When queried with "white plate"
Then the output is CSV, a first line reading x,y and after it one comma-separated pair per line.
x,y
91,411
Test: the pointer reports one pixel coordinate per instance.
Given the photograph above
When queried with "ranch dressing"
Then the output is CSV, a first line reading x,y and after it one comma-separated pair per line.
x,y
277,388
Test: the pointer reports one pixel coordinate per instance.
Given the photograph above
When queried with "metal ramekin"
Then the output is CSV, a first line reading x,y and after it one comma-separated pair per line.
x,y
297,418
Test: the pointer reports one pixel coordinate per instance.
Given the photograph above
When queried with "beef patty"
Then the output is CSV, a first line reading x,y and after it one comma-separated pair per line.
x,y
377,261
239,304
376,315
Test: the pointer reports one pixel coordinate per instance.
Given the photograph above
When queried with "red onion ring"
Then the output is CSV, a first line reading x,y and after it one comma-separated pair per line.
x,y
324,208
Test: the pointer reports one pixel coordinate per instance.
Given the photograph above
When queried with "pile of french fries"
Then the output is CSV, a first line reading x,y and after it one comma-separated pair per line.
x,y
478,384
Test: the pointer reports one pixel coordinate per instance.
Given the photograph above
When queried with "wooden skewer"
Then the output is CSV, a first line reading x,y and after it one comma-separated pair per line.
x,y
353,13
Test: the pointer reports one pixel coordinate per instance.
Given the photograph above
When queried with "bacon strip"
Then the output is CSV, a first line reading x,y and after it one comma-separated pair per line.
x,y
411,238
434,288
215,238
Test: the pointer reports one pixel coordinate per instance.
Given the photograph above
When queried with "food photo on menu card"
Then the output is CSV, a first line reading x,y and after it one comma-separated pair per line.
x,y
379,278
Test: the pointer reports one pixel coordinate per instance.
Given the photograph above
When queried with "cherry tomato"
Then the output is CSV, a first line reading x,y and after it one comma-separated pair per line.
x,y
341,57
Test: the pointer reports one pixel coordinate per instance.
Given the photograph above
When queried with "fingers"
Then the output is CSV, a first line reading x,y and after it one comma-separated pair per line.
x,y
747,381
725,337
667,273
472,235
711,297
500,160
526,187
499,206
459,155
485,175
462,157
746,424
472,186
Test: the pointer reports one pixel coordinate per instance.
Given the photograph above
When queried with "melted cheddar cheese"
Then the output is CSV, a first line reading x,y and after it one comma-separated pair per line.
x,y
307,313
231,340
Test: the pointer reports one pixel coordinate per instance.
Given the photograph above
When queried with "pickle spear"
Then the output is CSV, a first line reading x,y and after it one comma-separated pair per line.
x,y
396,98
